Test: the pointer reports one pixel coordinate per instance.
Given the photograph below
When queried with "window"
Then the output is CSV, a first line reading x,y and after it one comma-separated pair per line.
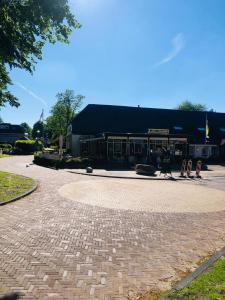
x,y
138,147
178,128
191,150
222,129
117,146
201,129
205,151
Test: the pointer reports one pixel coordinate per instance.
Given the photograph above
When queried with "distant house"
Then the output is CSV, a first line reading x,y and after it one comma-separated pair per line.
x,y
136,133
9,133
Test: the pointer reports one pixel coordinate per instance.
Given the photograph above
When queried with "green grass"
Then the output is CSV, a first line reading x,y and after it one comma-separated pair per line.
x,y
3,155
12,185
209,286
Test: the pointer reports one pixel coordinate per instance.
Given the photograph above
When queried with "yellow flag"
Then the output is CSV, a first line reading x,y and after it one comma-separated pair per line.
x,y
207,128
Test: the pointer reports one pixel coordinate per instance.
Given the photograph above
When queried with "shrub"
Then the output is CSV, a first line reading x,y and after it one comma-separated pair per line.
x,y
27,146
6,148
68,163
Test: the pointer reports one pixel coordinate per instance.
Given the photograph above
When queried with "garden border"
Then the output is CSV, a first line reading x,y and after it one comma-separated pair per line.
x,y
30,191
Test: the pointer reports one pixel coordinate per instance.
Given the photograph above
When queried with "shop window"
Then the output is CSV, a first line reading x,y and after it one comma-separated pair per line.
x,y
214,151
191,150
205,151
117,147
178,128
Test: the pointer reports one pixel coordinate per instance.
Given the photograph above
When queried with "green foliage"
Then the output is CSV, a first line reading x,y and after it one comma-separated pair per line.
x,y
1,121
27,128
4,155
26,26
189,106
27,146
68,163
6,148
38,130
62,113
210,285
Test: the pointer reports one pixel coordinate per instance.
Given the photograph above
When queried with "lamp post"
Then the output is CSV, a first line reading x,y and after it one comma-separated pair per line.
x,y
38,131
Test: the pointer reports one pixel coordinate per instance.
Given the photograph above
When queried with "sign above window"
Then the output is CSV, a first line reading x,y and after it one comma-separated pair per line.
x,y
158,131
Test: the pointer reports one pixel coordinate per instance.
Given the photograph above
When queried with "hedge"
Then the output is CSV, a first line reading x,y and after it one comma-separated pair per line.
x,y
69,163
27,146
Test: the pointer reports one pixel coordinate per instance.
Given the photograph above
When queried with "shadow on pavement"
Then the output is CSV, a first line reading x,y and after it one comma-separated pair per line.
x,y
14,296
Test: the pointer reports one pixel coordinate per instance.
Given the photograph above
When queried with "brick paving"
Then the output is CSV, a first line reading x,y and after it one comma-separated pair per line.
x,y
149,196
55,248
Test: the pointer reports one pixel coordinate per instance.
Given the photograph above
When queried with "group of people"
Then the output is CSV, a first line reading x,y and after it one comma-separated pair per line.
x,y
186,168
162,161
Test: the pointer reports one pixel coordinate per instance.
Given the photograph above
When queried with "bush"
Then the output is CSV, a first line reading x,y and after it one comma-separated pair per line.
x,y
68,163
27,146
6,148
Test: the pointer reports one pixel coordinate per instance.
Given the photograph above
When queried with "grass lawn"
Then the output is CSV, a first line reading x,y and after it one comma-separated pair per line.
x,y
208,286
3,155
12,185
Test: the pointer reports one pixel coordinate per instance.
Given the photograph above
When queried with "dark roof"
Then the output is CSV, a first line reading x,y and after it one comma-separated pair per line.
x,y
10,128
96,118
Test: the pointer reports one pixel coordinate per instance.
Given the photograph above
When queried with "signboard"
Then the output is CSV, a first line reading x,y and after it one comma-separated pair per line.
x,y
158,131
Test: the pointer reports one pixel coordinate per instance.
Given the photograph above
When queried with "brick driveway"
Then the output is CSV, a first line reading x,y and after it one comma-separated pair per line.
x,y
55,248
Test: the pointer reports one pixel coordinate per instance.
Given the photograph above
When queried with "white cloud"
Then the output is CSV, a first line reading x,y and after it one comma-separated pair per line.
x,y
178,43
35,96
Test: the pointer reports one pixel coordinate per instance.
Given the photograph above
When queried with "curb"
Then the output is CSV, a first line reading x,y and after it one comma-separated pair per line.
x,y
202,268
22,195
122,177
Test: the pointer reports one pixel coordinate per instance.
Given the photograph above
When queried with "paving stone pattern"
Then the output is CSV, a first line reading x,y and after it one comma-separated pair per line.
x,y
55,248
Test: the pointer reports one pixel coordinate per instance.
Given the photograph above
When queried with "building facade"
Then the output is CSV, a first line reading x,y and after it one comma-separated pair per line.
x,y
135,134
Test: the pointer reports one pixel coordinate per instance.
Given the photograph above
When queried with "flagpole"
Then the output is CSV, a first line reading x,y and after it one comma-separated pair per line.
x,y
42,121
43,126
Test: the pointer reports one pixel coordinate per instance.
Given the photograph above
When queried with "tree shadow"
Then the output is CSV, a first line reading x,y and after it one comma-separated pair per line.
x,y
14,296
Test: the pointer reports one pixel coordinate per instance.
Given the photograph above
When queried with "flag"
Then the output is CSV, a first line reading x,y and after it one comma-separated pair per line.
x,y
206,128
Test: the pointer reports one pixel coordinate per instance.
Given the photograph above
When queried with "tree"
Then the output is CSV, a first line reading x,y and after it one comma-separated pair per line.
x,y
25,27
189,106
38,130
27,129
62,113
1,121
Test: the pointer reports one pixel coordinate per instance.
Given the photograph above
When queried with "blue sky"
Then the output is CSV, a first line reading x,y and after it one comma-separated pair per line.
x,y
152,53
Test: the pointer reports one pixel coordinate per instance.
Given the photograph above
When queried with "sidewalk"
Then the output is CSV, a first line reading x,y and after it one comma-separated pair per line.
x,y
214,171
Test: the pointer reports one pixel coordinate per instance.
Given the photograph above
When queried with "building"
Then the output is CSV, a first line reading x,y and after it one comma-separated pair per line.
x,y
9,133
136,134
